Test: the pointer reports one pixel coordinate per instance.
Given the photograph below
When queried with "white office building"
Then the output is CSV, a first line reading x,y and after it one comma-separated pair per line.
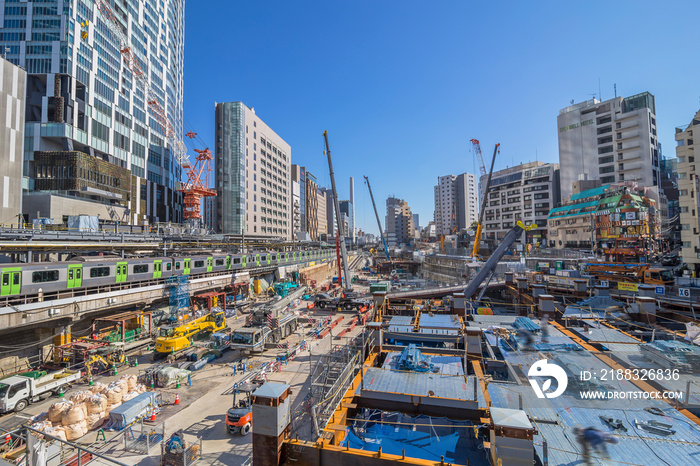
x,y
611,141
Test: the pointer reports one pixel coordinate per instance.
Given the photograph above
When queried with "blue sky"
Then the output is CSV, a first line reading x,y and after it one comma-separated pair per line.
x,y
402,86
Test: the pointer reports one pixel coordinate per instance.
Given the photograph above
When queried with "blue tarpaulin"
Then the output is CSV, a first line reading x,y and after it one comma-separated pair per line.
x,y
129,411
423,437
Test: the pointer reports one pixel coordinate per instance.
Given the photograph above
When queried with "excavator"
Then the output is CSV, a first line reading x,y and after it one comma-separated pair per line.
x,y
174,338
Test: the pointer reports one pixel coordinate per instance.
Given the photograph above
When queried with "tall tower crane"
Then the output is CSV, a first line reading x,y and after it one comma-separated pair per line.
x,y
379,223
477,152
340,236
193,189
480,225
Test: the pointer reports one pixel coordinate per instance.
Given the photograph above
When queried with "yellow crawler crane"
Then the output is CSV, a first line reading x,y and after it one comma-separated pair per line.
x,y
174,338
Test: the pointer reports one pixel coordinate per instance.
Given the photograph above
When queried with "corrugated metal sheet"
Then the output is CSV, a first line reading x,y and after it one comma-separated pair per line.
x,y
421,383
401,320
556,418
439,321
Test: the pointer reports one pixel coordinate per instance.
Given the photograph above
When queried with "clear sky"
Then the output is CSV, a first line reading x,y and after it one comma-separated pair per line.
x,y
402,86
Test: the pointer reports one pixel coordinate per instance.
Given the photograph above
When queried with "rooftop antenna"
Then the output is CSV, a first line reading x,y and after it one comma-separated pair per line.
x,y
615,87
600,93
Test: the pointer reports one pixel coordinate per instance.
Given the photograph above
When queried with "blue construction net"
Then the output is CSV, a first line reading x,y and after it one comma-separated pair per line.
x,y
423,437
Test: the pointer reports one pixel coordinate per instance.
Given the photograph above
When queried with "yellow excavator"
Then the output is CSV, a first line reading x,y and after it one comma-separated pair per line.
x,y
174,338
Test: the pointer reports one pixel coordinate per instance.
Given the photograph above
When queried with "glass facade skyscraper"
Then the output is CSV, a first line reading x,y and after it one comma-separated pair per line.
x,y
82,98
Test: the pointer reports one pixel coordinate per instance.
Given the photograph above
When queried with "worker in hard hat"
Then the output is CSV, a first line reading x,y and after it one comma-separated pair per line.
x,y
594,443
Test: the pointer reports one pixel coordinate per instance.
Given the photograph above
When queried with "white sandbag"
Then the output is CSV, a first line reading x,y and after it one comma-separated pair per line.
x,y
79,397
58,432
95,420
57,410
110,407
42,426
74,415
96,404
76,430
131,381
99,387
114,395
141,388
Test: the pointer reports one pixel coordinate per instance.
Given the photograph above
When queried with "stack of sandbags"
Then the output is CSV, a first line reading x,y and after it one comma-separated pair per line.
x,y
141,388
75,421
114,397
57,410
96,411
130,396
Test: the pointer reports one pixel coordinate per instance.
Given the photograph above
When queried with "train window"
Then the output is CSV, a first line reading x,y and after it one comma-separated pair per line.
x,y
45,276
219,262
263,258
168,266
274,258
177,266
6,279
99,272
236,260
141,268
198,264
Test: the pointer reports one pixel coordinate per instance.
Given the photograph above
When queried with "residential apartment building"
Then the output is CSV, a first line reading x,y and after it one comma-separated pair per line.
x,y
671,228
689,193
13,80
525,192
296,209
298,176
456,203
82,99
311,206
253,182
321,212
617,220
610,141
399,222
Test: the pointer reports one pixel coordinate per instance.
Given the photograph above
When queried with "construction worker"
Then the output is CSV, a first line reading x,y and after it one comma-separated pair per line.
x,y
526,336
594,443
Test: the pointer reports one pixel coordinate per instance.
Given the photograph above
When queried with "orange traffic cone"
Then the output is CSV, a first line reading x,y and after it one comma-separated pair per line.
x,y
177,399
153,415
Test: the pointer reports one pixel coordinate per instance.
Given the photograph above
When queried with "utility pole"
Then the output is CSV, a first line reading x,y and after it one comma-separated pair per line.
x,y
339,220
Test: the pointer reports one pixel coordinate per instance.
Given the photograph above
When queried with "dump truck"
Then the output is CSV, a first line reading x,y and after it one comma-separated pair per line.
x,y
18,391
638,273
175,338
263,326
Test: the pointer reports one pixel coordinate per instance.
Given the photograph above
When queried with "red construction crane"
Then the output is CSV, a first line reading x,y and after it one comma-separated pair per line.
x,y
477,152
194,189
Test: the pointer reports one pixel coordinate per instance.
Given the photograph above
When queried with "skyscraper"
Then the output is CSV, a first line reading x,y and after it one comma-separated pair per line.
x,y
253,183
98,144
13,80
352,216
456,205
610,141
347,208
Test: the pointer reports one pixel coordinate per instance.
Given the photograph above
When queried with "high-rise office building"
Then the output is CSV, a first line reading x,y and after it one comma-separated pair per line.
x,y
352,217
87,118
526,192
347,208
610,141
311,206
13,80
253,182
456,203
